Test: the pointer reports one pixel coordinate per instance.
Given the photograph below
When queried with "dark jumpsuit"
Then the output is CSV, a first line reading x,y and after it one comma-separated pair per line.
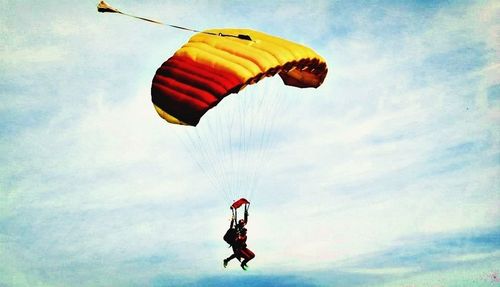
x,y
240,249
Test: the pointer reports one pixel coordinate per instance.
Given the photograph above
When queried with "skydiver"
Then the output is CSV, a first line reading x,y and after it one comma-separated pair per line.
x,y
239,245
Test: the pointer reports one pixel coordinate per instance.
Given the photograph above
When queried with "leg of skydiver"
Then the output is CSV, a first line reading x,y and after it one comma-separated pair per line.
x,y
225,261
236,254
248,255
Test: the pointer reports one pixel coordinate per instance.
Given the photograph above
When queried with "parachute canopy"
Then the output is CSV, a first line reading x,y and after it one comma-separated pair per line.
x,y
211,66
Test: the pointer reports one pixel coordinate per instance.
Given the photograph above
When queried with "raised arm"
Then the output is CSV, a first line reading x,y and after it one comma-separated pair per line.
x,y
245,218
233,219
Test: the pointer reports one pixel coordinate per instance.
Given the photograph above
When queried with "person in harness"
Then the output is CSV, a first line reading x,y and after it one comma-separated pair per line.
x,y
236,236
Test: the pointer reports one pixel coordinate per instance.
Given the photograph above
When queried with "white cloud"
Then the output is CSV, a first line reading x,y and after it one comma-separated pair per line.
x,y
34,55
382,271
464,258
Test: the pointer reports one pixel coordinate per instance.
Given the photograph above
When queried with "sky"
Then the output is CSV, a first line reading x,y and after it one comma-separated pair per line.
x,y
386,175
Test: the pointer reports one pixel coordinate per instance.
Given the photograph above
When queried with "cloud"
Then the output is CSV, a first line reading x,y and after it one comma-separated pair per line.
x,y
464,258
34,56
382,271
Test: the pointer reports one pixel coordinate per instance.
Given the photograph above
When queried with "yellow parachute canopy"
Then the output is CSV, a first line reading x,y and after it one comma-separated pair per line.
x,y
218,62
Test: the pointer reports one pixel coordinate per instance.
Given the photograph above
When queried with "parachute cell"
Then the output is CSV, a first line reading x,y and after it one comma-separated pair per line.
x,y
210,67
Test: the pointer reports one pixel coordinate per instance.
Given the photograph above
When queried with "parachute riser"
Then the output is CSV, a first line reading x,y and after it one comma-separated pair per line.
x,y
235,212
